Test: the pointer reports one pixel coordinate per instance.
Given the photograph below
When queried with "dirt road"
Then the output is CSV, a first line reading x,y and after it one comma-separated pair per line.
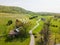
x,y
32,41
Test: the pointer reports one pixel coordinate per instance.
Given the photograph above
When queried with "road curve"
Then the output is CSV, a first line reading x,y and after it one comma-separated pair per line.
x,y
32,41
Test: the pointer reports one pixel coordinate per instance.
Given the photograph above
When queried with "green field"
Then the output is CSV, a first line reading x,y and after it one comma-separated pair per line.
x,y
4,29
54,31
27,20
4,17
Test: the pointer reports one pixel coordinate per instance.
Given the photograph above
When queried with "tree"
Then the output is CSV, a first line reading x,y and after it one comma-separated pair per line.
x,y
9,22
45,32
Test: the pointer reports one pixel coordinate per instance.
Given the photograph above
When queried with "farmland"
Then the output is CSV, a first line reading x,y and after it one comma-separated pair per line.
x,y
4,29
54,30
27,20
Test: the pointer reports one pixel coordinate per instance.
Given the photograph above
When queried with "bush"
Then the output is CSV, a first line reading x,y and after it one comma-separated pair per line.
x,y
35,36
9,22
54,26
33,17
34,33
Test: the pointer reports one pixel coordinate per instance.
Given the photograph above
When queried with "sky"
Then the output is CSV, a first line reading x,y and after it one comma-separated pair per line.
x,y
35,5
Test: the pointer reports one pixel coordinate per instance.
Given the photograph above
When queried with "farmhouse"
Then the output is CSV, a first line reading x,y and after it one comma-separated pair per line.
x,y
14,32
43,19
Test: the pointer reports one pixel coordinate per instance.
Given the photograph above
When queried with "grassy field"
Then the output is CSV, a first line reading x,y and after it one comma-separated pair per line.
x,y
55,31
41,23
29,18
4,29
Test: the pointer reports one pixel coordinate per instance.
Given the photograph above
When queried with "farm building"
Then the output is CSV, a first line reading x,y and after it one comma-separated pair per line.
x,y
14,32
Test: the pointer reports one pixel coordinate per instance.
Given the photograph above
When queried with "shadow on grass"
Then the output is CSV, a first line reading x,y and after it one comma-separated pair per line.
x,y
16,38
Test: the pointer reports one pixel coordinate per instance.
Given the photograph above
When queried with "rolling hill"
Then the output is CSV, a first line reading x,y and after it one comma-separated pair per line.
x,y
19,10
15,10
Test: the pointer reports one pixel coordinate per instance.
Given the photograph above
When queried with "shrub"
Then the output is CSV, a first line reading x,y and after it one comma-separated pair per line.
x,y
34,33
9,22
33,17
35,36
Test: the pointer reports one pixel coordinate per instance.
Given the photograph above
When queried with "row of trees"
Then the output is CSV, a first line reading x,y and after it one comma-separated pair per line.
x,y
45,35
45,32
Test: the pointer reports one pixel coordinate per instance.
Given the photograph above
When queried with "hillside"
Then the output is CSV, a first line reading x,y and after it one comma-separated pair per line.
x,y
15,10
19,10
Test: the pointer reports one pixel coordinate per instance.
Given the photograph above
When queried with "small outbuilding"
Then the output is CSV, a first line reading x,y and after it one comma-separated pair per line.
x,y
14,32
